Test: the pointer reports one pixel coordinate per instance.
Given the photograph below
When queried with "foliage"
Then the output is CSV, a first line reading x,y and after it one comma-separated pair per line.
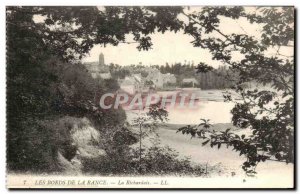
x,y
68,33
269,113
41,86
203,68
26,152
74,92
147,124
156,160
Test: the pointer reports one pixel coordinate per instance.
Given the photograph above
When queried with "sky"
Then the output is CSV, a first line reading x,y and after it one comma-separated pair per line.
x,y
172,47
169,47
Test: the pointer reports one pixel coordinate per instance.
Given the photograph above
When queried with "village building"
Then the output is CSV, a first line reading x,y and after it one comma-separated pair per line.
x,y
169,78
158,79
105,75
190,81
154,77
131,84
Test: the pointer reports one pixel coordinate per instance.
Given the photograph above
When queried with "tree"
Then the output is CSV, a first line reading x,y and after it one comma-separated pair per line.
x,y
36,93
268,112
148,123
68,33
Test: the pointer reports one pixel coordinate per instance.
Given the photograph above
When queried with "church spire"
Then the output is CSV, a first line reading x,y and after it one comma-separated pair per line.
x,y
101,59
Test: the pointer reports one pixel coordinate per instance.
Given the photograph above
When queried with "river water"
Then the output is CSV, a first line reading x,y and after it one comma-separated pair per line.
x,y
211,106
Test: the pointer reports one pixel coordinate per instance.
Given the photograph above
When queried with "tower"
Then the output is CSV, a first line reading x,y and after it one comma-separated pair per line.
x,y
101,59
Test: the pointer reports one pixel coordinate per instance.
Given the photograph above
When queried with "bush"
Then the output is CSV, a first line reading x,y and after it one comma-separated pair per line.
x,y
166,161
35,106
34,148
156,160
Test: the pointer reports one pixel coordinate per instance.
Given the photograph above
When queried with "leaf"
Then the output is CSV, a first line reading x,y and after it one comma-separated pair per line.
x,y
204,143
181,129
227,130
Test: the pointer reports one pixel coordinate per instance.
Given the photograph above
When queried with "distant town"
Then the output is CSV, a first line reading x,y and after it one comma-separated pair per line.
x,y
140,78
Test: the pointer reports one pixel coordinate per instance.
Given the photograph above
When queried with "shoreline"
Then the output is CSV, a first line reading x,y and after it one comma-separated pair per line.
x,y
216,126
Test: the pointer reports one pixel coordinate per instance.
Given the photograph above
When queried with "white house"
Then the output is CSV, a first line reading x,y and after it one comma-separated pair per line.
x,y
169,78
131,84
192,81
156,77
105,75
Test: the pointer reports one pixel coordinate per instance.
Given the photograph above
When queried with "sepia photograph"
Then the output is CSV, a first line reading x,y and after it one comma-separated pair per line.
x,y
150,97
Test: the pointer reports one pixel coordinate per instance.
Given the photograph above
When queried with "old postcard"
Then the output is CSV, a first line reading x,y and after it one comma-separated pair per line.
x,y
150,97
